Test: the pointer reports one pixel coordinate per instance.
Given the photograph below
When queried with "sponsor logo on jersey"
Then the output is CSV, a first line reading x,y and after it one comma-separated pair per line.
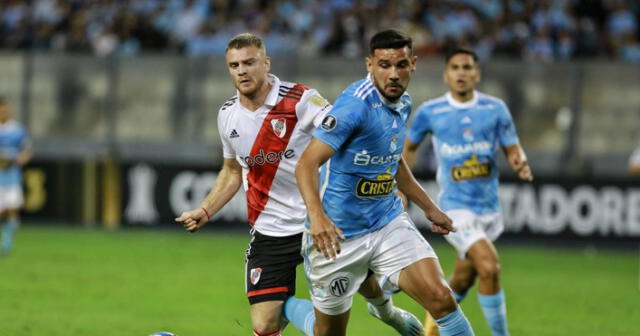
x,y
363,158
376,105
451,150
279,127
382,186
339,286
269,157
255,275
234,134
329,122
471,169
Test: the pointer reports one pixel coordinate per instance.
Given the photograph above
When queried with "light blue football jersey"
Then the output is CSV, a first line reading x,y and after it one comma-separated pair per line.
x,y
367,132
13,139
466,139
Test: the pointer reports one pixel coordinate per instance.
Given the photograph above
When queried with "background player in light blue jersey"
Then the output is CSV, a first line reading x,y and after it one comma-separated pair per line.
x,y
363,136
468,128
15,152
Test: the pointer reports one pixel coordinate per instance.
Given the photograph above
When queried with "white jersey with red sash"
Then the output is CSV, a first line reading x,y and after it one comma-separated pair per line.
x,y
268,142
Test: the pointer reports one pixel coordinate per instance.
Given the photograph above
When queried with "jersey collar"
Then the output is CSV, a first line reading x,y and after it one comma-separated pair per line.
x,y
272,97
464,105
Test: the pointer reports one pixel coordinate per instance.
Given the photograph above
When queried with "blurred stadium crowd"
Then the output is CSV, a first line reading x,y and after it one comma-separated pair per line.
x,y
544,30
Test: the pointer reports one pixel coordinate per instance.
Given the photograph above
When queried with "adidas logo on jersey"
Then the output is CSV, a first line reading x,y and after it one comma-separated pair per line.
x,y
234,134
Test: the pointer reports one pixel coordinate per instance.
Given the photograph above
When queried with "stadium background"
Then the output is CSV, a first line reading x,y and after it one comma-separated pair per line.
x,y
121,97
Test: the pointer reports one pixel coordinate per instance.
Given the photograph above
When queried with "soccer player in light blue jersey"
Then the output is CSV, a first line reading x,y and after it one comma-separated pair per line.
x,y
356,221
15,152
468,128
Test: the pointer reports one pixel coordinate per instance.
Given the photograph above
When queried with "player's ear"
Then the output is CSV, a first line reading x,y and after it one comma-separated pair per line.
x,y
368,62
267,63
414,61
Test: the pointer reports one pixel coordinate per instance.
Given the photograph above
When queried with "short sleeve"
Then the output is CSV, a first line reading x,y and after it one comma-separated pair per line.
x,y
227,149
340,123
421,125
506,128
311,109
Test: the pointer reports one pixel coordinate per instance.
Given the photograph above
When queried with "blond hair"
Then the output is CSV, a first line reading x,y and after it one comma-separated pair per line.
x,y
245,40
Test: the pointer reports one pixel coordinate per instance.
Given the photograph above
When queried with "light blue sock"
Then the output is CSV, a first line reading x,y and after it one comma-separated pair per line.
x,y
454,324
300,313
7,234
459,297
495,311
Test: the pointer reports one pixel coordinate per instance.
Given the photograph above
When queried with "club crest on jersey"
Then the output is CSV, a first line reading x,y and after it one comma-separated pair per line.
x,y
279,127
255,275
467,134
393,145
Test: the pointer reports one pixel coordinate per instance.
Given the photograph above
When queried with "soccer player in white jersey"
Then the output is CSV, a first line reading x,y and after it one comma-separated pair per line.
x,y
468,129
359,223
15,152
264,130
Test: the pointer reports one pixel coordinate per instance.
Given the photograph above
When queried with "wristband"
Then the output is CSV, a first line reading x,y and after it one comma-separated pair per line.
x,y
206,213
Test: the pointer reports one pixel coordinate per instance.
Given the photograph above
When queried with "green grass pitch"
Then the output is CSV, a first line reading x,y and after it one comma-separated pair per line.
x,y
74,281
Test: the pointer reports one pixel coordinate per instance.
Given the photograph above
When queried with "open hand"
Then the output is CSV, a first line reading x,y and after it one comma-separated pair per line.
x,y
325,236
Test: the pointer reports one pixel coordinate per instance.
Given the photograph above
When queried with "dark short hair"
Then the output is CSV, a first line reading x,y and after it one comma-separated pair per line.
x,y
245,40
456,51
390,39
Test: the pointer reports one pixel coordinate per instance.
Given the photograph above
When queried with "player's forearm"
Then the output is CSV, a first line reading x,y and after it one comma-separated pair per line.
x,y
409,153
409,186
516,156
24,157
307,179
225,187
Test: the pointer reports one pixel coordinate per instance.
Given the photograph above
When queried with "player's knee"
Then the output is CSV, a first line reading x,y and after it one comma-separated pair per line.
x,y
488,269
265,326
462,283
441,302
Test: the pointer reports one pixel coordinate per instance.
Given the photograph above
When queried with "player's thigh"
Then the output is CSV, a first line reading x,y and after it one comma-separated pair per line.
x,y
484,257
468,230
271,267
267,315
333,283
396,246
424,282
331,325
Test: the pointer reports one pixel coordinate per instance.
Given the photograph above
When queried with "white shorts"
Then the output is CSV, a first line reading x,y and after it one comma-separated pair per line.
x,y
471,228
387,251
10,197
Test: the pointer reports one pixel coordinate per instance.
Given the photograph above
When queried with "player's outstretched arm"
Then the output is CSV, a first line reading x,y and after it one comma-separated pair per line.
x,y
324,233
409,152
227,184
408,185
518,161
